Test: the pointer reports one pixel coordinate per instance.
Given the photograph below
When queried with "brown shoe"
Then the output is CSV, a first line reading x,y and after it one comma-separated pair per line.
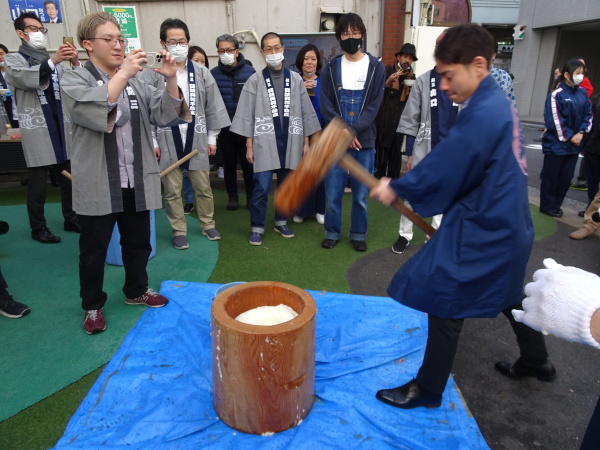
x,y
582,233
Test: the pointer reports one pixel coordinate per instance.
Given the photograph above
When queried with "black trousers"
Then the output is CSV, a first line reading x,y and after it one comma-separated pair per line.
x,y
442,341
3,286
95,237
36,194
591,166
591,439
233,147
556,175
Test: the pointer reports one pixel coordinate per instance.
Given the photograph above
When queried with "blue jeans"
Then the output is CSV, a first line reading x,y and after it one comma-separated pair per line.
x,y
260,196
335,182
188,190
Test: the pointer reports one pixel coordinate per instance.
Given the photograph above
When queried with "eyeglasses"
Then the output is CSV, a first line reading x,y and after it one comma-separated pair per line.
x,y
175,42
272,50
229,51
112,41
353,35
35,29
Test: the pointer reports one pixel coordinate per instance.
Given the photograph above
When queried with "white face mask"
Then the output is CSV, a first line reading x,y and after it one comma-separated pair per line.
x,y
274,60
37,40
178,52
577,79
227,59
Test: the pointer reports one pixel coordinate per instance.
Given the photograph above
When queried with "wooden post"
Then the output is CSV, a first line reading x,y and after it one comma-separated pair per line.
x,y
263,376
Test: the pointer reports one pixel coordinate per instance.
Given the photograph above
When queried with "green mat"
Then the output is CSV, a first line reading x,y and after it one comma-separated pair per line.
x,y
48,350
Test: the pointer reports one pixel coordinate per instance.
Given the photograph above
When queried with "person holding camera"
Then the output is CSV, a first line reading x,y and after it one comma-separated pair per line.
x,y
115,173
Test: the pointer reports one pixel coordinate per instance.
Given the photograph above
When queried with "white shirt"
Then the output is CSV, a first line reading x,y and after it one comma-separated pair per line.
x,y
354,74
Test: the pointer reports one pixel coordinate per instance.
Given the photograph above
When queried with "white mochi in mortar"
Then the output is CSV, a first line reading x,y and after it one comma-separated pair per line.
x,y
267,315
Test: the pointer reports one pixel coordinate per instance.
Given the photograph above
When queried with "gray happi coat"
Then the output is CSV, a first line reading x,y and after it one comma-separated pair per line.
x,y
416,118
253,118
24,81
211,114
86,103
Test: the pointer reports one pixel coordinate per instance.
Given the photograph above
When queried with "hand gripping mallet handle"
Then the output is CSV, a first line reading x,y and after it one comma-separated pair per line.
x,y
357,171
172,167
162,174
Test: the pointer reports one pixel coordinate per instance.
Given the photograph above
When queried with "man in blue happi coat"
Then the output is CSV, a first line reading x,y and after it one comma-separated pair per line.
x,y
474,265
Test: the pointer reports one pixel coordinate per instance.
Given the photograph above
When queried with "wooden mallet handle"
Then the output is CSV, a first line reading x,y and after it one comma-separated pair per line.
x,y
178,163
162,174
357,171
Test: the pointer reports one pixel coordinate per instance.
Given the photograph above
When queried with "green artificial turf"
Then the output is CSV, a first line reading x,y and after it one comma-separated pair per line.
x,y
299,261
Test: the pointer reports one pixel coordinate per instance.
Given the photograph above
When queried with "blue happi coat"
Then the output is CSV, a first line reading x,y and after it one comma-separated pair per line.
x,y
474,265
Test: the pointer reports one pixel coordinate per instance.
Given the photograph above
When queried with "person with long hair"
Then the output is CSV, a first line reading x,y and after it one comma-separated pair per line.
x,y
309,64
567,116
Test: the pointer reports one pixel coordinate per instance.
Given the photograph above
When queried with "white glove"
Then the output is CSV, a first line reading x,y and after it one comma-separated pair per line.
x,y
561,301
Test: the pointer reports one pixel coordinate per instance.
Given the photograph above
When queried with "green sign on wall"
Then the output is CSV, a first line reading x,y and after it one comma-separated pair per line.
x,y
126,17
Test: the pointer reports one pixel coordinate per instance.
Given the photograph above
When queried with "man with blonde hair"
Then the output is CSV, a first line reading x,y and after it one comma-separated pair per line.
x,y
115,173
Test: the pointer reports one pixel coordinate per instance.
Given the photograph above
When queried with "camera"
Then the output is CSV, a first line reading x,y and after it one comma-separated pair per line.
x,y
155,60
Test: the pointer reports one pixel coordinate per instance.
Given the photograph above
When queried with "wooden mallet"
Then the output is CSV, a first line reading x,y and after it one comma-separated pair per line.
x,y
190,155
328,150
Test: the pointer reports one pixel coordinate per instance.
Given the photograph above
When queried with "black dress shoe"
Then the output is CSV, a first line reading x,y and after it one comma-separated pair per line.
x,y
328,243
72,225
554,213
409,396
545,372
233,204
45,236
360,246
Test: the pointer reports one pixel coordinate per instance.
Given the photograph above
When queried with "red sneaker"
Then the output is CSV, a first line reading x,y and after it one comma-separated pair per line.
x,y
149,298
94,321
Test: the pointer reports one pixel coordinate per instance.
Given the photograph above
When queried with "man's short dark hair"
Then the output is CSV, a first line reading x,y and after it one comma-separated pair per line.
x,y
302,53
19,22
350,22
269,35
49,2
228,38
169,24
463,43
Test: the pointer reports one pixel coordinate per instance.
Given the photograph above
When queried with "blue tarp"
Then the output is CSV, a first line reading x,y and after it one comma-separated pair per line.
x,y
156,391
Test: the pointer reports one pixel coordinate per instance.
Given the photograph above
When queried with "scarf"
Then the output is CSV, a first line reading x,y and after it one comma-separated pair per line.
x,y
190,127
281,129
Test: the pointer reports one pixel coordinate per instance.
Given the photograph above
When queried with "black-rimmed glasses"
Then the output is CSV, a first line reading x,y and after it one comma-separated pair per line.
x,y
112,41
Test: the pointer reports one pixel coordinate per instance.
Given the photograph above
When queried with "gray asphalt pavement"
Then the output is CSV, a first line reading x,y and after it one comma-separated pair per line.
x,y
526,414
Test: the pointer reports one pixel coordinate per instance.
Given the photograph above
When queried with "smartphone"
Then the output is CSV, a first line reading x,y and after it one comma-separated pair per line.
x,y
68,40
155,60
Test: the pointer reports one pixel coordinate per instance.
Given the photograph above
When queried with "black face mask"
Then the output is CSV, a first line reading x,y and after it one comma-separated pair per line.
x,y
351,45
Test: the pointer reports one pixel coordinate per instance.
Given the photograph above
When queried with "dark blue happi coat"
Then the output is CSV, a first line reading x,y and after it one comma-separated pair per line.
x,y
474,265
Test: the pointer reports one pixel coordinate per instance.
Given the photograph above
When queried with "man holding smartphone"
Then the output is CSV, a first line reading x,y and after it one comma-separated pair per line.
x,y
115,173
34,78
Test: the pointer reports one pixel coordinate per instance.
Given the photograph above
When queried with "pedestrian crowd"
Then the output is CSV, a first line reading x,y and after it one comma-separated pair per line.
x,y
120,129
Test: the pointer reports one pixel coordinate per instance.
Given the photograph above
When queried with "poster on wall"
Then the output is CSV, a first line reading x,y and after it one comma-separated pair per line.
x,y
48,11
127,19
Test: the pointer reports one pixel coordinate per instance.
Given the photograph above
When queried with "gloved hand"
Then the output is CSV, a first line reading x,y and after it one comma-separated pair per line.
x,y
561,301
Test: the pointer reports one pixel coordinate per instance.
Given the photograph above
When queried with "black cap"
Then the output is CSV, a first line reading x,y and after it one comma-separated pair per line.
x,y
408,49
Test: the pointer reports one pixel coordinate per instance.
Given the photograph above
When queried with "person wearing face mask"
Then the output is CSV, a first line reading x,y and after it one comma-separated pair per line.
x,y
207,107
397,87
231,75
352,88
567,116
34,78
276,116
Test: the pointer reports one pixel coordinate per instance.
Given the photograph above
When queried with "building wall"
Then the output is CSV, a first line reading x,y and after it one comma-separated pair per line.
x,y
208,19
549,43
394,24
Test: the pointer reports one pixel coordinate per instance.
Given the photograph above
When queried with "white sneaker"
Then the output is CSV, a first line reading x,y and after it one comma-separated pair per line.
x,y
298,219
320,218
220,172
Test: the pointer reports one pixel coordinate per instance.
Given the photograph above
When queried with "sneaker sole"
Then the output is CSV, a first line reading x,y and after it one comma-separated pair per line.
x,y
181,248
15,316
211,238
95,331
397,252
131,302
287,236
255,243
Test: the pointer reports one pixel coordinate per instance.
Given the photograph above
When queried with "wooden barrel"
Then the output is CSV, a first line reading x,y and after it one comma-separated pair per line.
x,y
263,376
